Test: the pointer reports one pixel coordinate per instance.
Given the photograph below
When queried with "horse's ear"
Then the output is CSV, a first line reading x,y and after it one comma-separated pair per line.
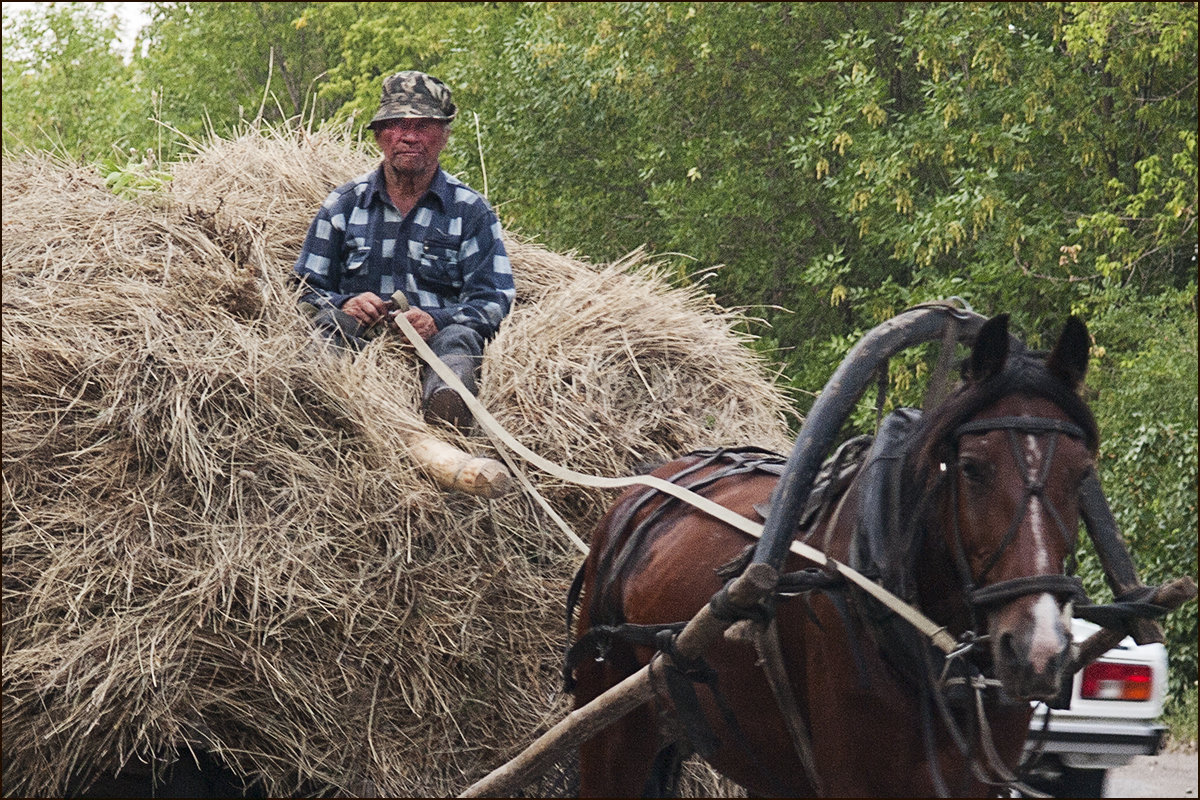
x,y
990,351
1068,360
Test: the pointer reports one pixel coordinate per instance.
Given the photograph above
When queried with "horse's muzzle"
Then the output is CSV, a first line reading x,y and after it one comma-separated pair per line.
x,y
1031,656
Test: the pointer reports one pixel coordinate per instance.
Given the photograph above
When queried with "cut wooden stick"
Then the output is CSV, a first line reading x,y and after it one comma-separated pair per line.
x,y
1170,596
458,471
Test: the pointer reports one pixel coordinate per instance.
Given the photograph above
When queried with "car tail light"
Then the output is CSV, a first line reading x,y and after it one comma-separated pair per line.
x,y
1105,680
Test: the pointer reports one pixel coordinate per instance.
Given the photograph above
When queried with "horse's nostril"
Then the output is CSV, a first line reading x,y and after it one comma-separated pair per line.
x,y
1008,648
1058,662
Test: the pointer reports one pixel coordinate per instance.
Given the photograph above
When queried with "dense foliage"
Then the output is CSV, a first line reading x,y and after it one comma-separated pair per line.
x,y
824,165
66,88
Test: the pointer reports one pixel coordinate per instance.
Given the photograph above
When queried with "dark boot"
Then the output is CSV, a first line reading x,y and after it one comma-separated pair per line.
x,y
461,349
440,403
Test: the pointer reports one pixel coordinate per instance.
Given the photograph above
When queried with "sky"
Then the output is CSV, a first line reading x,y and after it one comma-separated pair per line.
x,y
133,18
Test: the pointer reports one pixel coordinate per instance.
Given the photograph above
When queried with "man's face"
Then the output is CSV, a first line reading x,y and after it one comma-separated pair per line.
x,y
412,146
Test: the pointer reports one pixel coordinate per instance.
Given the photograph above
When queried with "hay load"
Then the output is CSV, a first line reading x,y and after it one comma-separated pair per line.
x,y
215,535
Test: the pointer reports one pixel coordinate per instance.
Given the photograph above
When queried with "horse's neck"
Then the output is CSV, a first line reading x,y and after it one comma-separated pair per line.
x,y
931,575
839,532
940,592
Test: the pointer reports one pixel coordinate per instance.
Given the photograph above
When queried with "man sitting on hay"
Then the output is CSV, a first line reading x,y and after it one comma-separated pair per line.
x,y
410,230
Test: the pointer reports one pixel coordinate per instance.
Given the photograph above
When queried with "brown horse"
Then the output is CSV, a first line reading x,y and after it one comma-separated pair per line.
x,y
981,522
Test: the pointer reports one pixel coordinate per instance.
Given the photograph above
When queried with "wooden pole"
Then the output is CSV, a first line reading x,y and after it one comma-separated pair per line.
x,y
1170,596
454,469
705,628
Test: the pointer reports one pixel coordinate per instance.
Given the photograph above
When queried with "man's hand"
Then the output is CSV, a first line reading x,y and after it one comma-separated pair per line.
x,y
367,308
422,323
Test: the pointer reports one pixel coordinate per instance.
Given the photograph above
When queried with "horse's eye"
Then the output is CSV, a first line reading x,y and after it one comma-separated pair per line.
x,y
976,472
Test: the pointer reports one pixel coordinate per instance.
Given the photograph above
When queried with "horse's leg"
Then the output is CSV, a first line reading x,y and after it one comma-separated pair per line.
x,y
619,760
663,780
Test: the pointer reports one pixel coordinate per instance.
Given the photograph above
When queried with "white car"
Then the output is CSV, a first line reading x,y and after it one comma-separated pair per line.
x,y
1115,705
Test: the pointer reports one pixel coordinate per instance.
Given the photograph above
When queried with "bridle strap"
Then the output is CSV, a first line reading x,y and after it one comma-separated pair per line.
x,y
1034,487
1023,424
998,593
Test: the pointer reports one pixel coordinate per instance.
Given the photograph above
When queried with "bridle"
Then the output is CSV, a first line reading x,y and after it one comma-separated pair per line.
x,y
980,594
957,675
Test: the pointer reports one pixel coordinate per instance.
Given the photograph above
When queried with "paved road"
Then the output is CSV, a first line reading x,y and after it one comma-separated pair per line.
x,y
1164,775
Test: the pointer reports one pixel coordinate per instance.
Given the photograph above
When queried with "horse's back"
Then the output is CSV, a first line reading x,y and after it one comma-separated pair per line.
x,y
670,571
656,560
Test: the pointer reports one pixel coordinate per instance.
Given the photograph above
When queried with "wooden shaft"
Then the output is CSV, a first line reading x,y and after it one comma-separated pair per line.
x,y
572,731
1170,595
701,632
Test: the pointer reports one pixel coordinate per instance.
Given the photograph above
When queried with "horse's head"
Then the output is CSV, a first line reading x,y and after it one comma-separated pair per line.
x,y
1014,444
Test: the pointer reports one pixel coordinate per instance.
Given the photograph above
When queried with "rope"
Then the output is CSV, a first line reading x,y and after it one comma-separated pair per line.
x,y
936,633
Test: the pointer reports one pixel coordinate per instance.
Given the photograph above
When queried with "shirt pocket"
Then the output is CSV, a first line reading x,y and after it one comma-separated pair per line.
x,y
439,261
356,259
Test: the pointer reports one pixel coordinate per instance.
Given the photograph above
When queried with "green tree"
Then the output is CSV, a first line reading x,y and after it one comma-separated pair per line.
x,y
976,162
216,65
1144,58
844,160
66,85
370,41
1146,403
625,124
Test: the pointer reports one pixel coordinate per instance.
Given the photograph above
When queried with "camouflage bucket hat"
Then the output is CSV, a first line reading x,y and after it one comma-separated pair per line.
x,y
414,94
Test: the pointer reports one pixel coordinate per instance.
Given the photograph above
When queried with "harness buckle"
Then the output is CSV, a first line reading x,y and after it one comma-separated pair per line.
x,y
966,643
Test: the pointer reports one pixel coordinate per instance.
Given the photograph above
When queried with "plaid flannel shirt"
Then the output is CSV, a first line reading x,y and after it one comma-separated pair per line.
x,y
445,255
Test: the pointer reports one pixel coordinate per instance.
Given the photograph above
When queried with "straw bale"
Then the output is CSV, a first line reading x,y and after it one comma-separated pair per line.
x,y
213,535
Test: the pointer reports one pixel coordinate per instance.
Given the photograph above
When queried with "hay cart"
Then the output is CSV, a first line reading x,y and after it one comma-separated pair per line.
x,y
948,323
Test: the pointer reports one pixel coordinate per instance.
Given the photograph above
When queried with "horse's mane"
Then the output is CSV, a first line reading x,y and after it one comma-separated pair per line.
x,y
1024,373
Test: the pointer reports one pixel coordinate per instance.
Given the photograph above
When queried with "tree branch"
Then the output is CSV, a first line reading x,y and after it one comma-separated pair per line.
x,y
1024,267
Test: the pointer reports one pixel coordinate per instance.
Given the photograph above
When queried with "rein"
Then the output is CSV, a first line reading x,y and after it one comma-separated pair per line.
x,y
927,627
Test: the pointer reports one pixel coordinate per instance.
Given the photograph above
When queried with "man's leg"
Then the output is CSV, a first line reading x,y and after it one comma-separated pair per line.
x,y
461,348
